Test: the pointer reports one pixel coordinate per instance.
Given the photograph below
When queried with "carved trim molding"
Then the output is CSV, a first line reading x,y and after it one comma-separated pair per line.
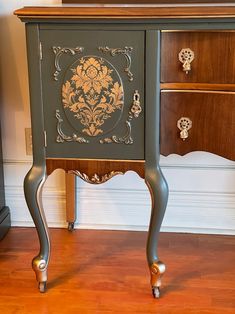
x,y
61,137
125,139
126,52
58,51
134,112
95,179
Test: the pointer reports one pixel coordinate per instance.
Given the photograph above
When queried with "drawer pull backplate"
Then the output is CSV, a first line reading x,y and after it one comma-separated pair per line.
x,y
184,124
186,56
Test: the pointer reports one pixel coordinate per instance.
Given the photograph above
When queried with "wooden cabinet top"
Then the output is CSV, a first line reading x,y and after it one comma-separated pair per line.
x,y
140,9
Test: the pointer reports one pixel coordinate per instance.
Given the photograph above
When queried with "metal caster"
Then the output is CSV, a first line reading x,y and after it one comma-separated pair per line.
x,y
71,226
156,292
42,286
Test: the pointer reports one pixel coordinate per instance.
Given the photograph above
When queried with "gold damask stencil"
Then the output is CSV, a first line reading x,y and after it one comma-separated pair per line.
x,y
92,95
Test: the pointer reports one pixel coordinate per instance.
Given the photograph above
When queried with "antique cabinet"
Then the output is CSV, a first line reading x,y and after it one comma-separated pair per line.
x,y
111,86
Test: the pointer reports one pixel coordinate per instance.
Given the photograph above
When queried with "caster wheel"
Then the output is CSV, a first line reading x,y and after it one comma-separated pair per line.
x,y
71,226
156,292
42,286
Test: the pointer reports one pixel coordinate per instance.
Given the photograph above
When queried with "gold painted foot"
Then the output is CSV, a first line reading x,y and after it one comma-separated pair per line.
x,y
40,268
157,269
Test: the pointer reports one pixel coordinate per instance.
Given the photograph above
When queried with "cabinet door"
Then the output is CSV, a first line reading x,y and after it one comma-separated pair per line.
x,y
212,126
93,93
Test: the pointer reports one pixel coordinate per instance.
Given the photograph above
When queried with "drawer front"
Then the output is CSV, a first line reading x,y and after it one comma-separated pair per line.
x,y
213,123
213,61
93,93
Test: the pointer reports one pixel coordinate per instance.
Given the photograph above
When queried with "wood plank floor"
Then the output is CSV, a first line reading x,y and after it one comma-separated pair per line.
x,y
106,272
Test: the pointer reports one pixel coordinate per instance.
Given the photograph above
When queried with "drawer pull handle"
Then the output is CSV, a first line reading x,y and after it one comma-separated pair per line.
x,y
186,56
184,124
136,107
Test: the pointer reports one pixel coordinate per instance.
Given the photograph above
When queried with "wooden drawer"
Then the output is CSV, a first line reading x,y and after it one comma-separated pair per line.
x,y
213,62
89,88
213,122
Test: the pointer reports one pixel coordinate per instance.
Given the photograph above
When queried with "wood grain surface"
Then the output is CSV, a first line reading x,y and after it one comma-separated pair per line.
x,y
172,2
70,192
126,12
213,62
91,167
104,272
213,119
198,86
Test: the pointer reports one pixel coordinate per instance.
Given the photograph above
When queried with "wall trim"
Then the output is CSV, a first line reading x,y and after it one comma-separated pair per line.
x,y
164,165
193,212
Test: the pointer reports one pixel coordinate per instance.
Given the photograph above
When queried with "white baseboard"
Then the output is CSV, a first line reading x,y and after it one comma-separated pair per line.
x,y
119,209
201,200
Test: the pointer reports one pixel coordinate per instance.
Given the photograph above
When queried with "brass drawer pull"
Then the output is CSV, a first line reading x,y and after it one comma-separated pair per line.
x,y
186,56
184,124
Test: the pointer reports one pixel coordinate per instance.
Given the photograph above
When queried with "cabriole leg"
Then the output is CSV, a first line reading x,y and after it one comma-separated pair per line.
x,y
33,184
159,194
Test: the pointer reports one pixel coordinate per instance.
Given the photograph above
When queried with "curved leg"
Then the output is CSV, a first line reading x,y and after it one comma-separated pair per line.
x,y
159,194
33,184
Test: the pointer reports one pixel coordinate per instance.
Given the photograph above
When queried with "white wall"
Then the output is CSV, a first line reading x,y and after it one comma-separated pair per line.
x,y
202,186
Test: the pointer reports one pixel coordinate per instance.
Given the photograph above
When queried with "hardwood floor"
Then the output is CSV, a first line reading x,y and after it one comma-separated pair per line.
x,y
106,272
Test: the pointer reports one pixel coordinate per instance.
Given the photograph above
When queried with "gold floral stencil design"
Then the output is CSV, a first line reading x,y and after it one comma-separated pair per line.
x,y
92,95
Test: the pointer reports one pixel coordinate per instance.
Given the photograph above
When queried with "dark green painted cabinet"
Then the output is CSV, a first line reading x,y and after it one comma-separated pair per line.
x,y
93,93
